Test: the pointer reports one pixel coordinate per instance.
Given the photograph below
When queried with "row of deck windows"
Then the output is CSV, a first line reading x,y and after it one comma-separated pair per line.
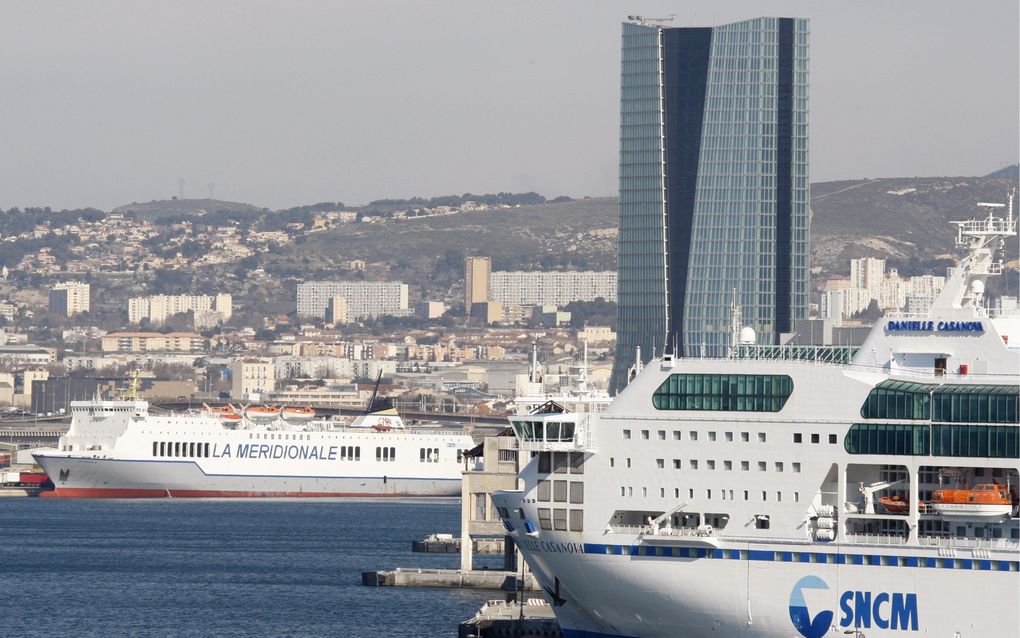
x,y
385,454
693,435
560,491
984,441
543,430
561,463
179,449
561,519
724,392
721,494
945,403
428,455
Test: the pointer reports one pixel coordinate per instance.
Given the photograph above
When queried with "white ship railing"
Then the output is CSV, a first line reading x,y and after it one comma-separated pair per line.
x,y
647,530
884,370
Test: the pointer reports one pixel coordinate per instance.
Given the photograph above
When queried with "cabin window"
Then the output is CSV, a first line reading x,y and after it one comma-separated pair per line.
x,y
191,450
544,462
544,490
357,453
560,491
560,462
576,520
177,449
155,448
577,462
576,492
545,518
660,463
560,519
162,448
393,454
207,450
421,455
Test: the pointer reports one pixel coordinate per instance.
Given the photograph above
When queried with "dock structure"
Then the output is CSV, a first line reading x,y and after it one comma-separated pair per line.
x,y
447,544
479,520
451,578
499,619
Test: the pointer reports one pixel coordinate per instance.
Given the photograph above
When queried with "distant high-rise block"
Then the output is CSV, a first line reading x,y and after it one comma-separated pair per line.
x,y
713,185
476,281
363,298
69,298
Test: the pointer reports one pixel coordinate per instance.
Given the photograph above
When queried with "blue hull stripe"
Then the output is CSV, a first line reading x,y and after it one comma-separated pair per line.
x,y
830,558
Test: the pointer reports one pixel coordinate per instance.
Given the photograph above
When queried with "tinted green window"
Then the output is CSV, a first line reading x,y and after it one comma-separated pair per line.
x,y
898,400
943,403
987,441
729,392
977,404
882,438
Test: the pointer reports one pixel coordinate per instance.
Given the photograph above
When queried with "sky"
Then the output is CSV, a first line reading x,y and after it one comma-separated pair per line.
x,y
283,103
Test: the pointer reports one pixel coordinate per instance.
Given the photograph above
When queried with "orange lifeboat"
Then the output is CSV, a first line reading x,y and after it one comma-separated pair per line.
x,y
298,414
262,413
230,418
988,500
894,504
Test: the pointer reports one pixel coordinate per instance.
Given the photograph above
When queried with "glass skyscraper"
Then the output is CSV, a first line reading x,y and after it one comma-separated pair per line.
x,y
713,186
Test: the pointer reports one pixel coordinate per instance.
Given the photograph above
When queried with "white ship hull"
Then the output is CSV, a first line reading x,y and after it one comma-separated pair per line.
x,y
772,591
124,478
117,449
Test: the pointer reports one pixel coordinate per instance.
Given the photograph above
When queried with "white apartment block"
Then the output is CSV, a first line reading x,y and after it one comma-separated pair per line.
x,y
867,273
364,298
68,298
538,288
869,282
158,308
251,378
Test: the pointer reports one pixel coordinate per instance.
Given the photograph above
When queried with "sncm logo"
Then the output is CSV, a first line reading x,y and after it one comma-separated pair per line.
x,y
800,615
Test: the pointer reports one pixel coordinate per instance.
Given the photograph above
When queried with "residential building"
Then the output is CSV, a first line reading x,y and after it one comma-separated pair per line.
x,y
430,309
867,273
208,309
364,298
16,355
251,378
539,288
69,298
153,342
336,311
714,188
488,312
477,271
7,310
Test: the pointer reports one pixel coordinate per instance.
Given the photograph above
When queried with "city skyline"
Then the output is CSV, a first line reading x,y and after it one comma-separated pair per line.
x,y
281,107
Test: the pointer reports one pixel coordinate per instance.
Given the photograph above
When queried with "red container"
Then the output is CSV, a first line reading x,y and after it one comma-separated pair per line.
x,y
964,368
34,478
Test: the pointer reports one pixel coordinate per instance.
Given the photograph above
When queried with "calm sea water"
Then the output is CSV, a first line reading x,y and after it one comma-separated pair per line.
x,y
179,567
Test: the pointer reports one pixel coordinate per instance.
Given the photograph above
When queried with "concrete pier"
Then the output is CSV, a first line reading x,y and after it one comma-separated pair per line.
x,y
499,619
455,578
434,545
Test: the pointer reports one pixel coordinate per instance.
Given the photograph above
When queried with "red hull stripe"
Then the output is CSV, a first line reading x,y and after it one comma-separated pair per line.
x,y
89,492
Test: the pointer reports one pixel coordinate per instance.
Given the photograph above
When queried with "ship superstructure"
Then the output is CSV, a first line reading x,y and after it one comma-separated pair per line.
x,y
119,448
785,492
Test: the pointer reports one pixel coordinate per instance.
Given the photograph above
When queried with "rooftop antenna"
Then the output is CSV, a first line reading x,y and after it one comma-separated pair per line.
x,y
180,188
643,21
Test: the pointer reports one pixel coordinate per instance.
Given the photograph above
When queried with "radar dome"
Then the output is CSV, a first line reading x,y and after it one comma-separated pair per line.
x,y
977,287
747,336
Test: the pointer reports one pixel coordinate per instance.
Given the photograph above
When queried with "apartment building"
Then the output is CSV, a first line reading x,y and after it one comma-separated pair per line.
x,y
69,298
364,298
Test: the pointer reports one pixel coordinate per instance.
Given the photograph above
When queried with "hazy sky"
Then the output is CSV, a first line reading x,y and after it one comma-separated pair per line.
x,y
291,102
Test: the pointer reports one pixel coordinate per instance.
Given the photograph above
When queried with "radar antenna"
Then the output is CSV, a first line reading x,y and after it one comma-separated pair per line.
x,y
643,21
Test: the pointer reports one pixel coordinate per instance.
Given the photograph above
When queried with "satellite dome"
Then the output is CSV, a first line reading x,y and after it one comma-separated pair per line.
x,y
747,336
977,287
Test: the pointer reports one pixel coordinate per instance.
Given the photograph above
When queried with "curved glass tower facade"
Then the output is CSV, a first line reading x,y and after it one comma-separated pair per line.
x,y
713,186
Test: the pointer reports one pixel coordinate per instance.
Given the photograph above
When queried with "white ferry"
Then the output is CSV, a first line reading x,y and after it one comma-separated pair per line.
x,y
788,491
117,448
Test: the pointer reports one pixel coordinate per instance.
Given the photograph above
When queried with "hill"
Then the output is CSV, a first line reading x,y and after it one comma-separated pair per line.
x,y
173,208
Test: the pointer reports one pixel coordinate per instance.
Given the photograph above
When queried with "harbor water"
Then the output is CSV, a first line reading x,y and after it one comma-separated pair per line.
x,y
179,567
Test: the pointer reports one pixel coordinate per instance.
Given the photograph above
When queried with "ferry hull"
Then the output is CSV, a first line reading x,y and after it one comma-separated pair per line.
x,y
116,478
629,596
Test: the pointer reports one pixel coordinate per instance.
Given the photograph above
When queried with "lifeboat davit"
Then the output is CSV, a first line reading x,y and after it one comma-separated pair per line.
x,y
988,500
298,414
262,413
